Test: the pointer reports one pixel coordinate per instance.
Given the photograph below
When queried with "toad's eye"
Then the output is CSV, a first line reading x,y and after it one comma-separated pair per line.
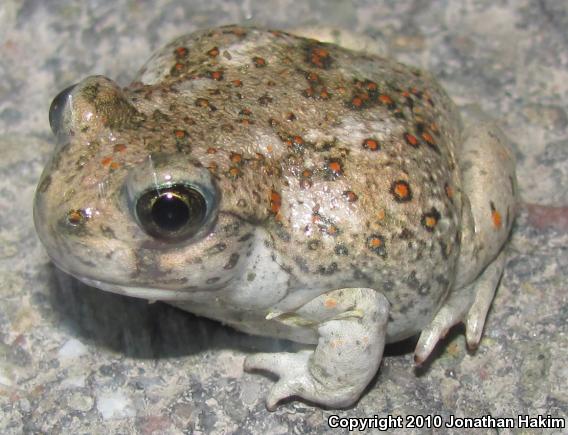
x,y
58,108
173,213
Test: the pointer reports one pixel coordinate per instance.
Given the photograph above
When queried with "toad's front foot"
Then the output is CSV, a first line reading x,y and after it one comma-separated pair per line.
x,y
351,332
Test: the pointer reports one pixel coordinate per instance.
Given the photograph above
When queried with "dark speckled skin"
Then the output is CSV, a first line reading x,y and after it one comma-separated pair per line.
x,y
328,169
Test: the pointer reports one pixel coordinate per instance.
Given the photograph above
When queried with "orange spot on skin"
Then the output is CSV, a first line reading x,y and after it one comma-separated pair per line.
x,y
269,148
180,134
214,52
307,173
259,61
401,190
181,52
179,66
375,242
74,217
496,217
431,221
371,144
428,138
119,148
312,77
385,99
106,161
371,86
237,83
449,191
324,94
380,215
357,102
411,139
335,167
114,165
330,303
236,158
216,75
320,57
202,102
332,230
350,196
275,202
234,172
211,150
321,52
212,167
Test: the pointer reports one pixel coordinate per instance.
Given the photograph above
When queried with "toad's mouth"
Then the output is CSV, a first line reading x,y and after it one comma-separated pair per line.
x,y
142,292
150,293
179,292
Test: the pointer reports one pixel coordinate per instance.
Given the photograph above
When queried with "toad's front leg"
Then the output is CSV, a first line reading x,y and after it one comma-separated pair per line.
x,y
351,324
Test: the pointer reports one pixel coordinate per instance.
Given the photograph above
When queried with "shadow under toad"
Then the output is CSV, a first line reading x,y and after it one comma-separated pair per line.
x,y
136,328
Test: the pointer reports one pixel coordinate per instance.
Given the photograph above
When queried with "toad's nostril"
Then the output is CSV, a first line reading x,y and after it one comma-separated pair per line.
x,y
57,110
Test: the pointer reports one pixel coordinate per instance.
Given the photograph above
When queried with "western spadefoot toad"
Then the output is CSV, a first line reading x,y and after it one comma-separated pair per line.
x,y
286,187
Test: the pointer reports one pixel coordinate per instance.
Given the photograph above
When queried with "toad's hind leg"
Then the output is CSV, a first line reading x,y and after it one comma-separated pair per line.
x,y
469,304
351,325
489,197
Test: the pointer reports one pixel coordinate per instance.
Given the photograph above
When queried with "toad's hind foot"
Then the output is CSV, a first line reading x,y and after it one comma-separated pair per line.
x,y
295,379
484,290
469,304
352,331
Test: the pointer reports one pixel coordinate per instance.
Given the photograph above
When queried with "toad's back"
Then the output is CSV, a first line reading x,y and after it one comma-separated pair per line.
x,y
356,154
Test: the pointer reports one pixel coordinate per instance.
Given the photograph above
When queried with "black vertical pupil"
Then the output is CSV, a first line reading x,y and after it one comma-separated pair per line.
x,y
170,212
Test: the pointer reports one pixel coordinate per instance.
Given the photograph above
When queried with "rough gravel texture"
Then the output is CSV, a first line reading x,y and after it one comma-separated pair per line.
x,y
78,360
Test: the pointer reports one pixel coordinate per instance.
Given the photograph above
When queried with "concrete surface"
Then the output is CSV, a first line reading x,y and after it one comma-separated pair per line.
x,y
78,360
